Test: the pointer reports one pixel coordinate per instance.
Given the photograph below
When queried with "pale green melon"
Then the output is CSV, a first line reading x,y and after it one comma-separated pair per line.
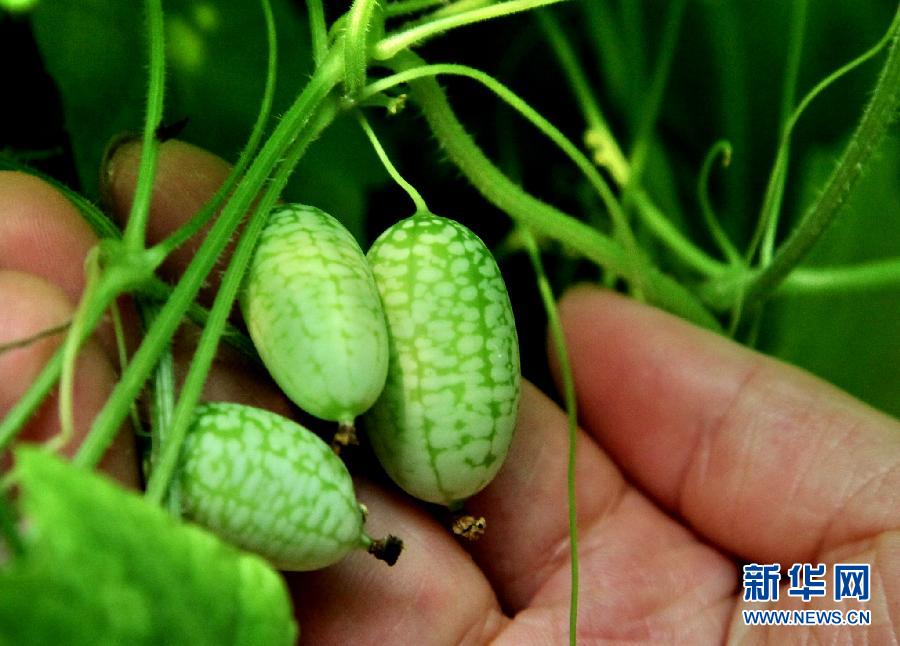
x,y
443,424
314,314
270,486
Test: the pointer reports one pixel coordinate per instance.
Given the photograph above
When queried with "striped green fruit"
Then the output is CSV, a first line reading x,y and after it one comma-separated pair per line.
x,y
314,314
270,486
443,424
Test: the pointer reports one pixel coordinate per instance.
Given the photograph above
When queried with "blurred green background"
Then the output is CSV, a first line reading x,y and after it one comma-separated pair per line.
x,y
77,75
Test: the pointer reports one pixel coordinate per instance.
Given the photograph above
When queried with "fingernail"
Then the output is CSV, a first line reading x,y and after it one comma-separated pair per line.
x,y
108,165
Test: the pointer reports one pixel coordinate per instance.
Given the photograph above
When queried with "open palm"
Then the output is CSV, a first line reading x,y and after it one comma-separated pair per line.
x,y
697,455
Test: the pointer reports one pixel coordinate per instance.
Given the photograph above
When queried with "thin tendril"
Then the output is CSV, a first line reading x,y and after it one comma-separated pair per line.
x,y
789,90
725,245
70,354
24,342
565,370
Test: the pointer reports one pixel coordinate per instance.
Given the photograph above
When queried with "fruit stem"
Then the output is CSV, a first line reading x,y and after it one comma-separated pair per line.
x,y
414,195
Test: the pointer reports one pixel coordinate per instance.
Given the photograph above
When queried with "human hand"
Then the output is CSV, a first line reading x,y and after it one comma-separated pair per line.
x,y
697,454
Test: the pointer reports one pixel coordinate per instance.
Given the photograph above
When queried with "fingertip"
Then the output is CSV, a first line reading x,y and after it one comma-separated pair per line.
x,y
21,190
42,233
121,153
186,177
432,595
586,309
732,440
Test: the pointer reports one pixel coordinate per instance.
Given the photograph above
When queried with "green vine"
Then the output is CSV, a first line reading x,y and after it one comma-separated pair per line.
x,y
820,281
193,226
192,388
318,29
880,112
394,44
768,218
136,230
360,20
295,120
406,7
599,137
529,211
606,150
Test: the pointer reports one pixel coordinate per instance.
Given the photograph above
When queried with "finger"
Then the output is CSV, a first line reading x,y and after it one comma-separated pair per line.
x,y
32,305
622,537
433,595
186,178
34,217
760,457
232,377
526,507
42,234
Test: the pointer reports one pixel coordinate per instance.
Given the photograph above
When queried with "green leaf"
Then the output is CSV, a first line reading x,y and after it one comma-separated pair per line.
x,y
98,77
103,566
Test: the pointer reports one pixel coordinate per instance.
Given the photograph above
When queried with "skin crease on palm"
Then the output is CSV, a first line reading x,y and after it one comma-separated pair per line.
x,y
697,455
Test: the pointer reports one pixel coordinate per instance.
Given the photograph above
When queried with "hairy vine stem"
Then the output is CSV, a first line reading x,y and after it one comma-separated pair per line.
x,y
135,232
880,112
539,216
292,125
